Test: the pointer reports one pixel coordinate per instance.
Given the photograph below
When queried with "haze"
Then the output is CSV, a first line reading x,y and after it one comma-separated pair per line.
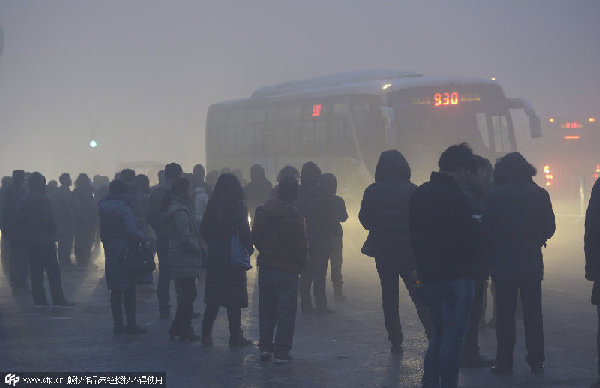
x,y
138,76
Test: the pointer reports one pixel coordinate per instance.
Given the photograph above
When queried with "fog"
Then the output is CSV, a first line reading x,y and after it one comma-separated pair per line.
x,y
138,76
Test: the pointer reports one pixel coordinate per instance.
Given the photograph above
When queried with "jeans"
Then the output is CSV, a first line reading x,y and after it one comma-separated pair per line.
x,y
125,298
43,258
506,330
234,316
389,276
315,272
18,266
277,305
65,247
186,292
471,348
336,261
164,276
450,304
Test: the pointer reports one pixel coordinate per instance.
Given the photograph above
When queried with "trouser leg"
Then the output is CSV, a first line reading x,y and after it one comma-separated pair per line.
x,y
18,264
116,297
336,264
234,316
471,347
267,308
53,273
186,290
130,305
531,297
286,292
389,280
431,365
320,262
37,275
422,310
164,277
65,247
306,280
210,314
506,330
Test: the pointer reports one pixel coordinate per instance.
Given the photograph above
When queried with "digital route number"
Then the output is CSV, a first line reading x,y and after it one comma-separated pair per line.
x,y
440,99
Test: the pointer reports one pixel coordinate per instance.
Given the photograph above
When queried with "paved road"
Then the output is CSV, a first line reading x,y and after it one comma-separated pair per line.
x,y
349,348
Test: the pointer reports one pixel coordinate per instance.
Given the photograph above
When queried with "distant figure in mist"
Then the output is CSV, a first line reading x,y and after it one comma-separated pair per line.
x,y
384,213
36,219
63,210
173,171
18,266
4,245
592,255
240,176
118,233
317,207
258,190
517,221
85,220
201,192
211,178
329,182
226,285
185,257
443,235
200,179
280,237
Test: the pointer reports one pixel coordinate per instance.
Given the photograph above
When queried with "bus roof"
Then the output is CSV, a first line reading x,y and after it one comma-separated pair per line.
x,y
354,82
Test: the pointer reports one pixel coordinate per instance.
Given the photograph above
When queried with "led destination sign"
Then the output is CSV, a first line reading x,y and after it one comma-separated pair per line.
x,y
446,98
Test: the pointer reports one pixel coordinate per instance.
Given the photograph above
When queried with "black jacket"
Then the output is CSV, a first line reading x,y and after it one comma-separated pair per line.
x,y
592,242
36,219
517,220
442,231
316,205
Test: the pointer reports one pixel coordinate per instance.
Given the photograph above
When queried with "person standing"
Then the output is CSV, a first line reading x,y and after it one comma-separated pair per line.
x,y
119,233
329,182
226,285
4,246
517,221
442,235
592,255
200,179
85,220
12,233
384,213
63,209
258,190
160,226
185,258
316,205
279,235
36,219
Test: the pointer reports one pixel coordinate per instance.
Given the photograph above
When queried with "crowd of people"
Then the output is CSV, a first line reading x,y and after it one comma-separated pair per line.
x,y
471,222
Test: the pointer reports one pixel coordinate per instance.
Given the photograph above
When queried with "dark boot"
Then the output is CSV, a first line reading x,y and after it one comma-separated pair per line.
x,y
238,340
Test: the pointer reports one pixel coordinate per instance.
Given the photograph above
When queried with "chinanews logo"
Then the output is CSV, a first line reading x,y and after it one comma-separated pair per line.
x,y
11,379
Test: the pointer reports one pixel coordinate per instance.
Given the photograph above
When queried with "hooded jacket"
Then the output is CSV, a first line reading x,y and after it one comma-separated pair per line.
x,y
185,249
279,235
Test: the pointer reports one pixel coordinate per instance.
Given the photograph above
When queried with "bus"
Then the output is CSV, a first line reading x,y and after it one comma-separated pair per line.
x,y
344,121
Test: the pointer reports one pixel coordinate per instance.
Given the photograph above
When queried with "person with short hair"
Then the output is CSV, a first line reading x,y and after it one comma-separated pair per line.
x,y
36,219
258,190
442,234
279,235
517,221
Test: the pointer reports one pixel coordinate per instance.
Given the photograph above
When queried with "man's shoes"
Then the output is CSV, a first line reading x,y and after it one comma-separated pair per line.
x,y
281,359
135,329
265,355
501,370
537,367
239,341
397,348
476,361
325,311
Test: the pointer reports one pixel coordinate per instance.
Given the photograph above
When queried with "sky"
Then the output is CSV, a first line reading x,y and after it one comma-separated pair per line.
x,y
138,75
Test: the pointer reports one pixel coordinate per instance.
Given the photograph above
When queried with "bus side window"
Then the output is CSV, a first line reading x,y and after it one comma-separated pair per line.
x,y
501,135
482,126
255,121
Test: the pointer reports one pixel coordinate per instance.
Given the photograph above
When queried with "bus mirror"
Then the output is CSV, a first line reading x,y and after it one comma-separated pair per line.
x,y
535,126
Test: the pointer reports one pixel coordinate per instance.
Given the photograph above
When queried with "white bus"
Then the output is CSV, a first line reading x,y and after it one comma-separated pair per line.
x,y
343,122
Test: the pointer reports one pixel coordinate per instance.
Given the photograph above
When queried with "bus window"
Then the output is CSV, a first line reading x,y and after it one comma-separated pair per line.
x,y
482,125
501,135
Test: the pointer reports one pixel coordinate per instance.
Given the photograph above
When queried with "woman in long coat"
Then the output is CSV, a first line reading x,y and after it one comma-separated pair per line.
x,y
226,286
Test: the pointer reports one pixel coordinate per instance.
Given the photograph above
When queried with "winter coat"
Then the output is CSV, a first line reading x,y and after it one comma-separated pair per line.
x,y
118,233
226,284
12,203
384,213
316,205
62,202
279,235
442,230
36,219
481,270
185,249
592,242
517,220
155,216
85,216
200,202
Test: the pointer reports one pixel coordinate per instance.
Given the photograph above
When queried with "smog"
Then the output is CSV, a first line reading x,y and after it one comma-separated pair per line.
x,y
454,151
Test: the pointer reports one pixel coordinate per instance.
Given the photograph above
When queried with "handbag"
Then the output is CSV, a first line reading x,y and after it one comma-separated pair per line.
x,y
368,248
139,261
240,257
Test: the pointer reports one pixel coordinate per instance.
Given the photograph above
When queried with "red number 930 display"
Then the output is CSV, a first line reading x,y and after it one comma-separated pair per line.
x,y
445,98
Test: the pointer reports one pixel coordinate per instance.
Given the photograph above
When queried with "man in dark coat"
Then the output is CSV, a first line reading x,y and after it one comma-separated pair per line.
x,y
517,221
63,210
160,226
36,220
384,213
258,190
4,245
85,220
13,234
592,255
316,205
279,235
442,237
